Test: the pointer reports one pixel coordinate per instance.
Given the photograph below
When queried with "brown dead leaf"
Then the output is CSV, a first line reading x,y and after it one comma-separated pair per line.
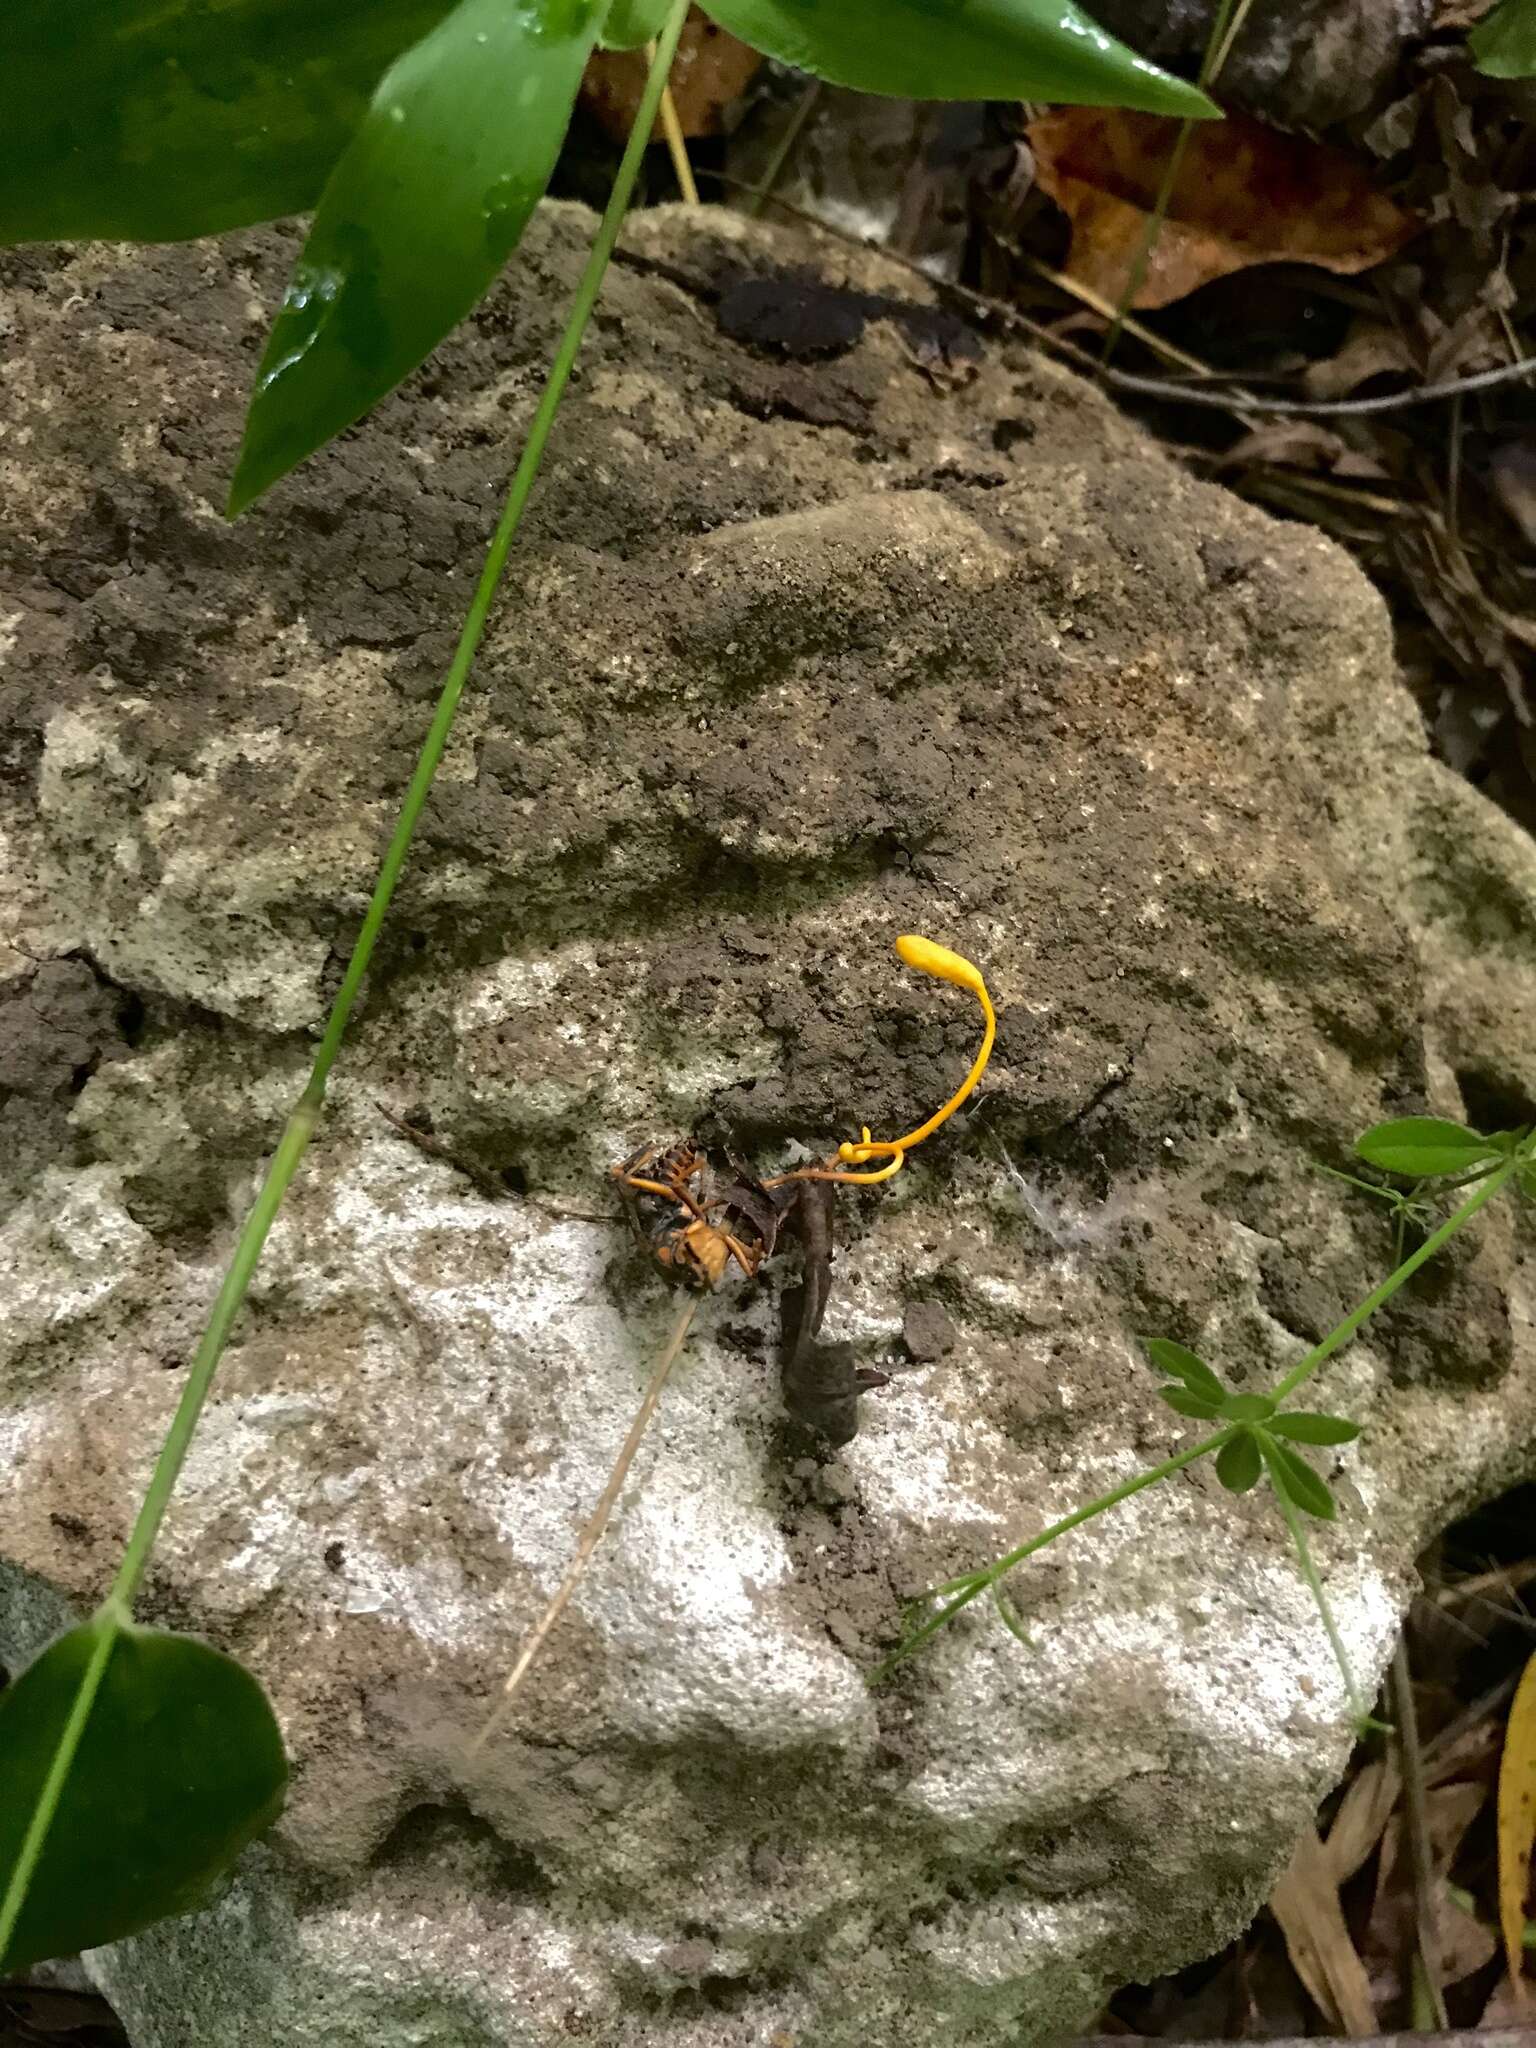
x,y
1300,444
710,72
1458,1943
1245,195
1505,2008
1363,1814
1369,349
1512,472
1305,1902
1453,14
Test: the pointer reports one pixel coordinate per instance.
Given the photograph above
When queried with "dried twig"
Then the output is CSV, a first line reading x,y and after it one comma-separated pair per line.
x,y
1416,1812
677,142
1228,399
592,1535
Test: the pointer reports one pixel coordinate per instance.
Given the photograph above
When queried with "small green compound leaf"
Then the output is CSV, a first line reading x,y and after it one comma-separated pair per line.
x,y
1422,1147
1247,1408
1238,1463
180,1765
960,50
1294,1479
426,205
1504,45
1010,1615
1304,1428
138,120
1183,1402
1182,1364
631,24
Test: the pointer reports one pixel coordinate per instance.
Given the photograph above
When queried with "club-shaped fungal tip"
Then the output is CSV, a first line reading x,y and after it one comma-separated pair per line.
x,y
927,957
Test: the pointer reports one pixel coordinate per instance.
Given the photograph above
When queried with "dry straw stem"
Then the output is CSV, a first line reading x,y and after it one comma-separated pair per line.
x,y
677,142
592,1535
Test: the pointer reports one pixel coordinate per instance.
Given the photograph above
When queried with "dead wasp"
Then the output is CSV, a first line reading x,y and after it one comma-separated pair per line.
x,y
692,1229
695,1222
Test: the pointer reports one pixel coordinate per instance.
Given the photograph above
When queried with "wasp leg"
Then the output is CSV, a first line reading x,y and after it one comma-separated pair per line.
x,y
749,1261
655,1187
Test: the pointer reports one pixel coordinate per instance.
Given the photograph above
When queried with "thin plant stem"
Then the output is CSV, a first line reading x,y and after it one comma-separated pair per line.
x,y
25,1867
1416,1806
982,1580
777,164
972,1587
1224,48
677,142
1225,24
592,1535
1309,1571
1338,1338
1150,235
114,1613
301,1124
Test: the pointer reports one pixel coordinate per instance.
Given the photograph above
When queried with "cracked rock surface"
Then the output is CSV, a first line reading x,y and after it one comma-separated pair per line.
x,y
833,622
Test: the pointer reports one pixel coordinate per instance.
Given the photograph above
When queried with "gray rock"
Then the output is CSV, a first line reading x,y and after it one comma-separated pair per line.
x,y
1300,63
797,657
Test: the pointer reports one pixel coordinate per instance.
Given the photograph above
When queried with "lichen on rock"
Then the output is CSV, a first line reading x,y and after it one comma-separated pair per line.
x,y
810,645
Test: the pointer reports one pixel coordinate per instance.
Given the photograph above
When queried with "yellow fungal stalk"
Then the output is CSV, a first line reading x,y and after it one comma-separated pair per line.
x,y
939,961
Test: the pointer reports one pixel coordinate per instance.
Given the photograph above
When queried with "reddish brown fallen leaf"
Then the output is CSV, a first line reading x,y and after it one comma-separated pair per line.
x,y
1245,195
712,69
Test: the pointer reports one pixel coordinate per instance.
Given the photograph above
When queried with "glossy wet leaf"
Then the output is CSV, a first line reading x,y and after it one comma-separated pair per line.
x,y
1238,1464
1504,45
959,50
422,211
1196,1406
1293,1477
181,1765
1421,1147
1305,1428
152,121
631,24
1181,1364
1247,1407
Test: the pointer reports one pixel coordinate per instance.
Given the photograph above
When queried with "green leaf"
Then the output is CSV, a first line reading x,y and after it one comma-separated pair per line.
x,y
1182,1364
960,50
1183,1402
1238,1463
420,214
1003,1602
1504,45
1247,1407
1423,1146
151,120
1294,1479
1303,1428
180,1765
631,24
